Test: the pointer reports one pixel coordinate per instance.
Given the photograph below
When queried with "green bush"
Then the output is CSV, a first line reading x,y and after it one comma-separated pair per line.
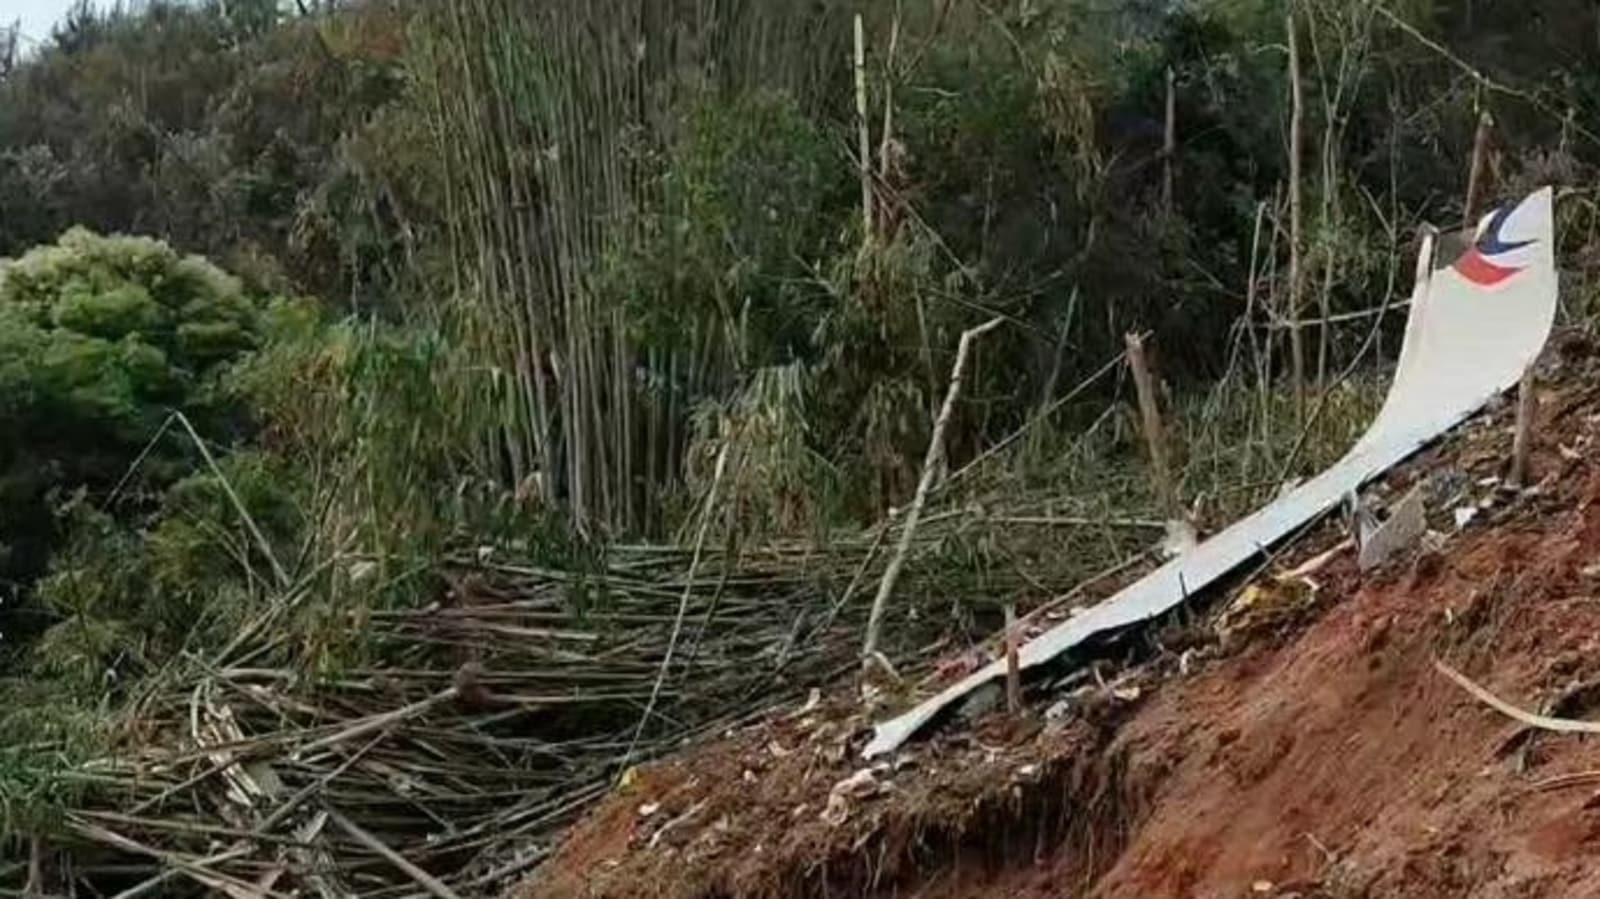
x,y
101,338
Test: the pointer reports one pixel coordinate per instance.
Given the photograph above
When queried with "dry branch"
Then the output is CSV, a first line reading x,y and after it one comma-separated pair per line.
x,y
1541,722
425,880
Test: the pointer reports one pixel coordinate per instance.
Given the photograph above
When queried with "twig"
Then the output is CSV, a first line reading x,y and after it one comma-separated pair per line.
x,y
423,878
1539,722
233,497
1349,369
1110,366
930,465
133,467
378,722
1561,781
150,883
688,589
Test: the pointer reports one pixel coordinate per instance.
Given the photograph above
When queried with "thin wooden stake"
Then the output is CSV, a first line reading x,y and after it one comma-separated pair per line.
x,y
1169,143
1520,443
1013,669
1480,152
930,466
864,138
1297,349
1150,418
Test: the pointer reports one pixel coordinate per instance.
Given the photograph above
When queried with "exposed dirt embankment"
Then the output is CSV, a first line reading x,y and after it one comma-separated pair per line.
x,y
1299,746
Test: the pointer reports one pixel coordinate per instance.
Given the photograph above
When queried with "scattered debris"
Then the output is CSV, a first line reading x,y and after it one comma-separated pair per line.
x,y
1402,529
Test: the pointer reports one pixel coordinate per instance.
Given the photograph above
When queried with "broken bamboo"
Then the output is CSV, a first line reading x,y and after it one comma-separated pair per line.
x,y
863,137
930,466
1480,148
1527,405
1169,142
1150,421
1013,669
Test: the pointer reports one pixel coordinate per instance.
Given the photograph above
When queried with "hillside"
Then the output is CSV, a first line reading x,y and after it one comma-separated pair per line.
x,y
1292,736
463,447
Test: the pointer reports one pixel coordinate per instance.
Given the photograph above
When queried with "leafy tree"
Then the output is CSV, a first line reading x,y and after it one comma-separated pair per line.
x,y
100,338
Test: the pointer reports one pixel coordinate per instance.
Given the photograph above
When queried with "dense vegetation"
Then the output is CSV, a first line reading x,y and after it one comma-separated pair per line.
x,y
418,275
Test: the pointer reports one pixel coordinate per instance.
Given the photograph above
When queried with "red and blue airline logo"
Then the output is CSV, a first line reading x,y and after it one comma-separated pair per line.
x,y
1484,264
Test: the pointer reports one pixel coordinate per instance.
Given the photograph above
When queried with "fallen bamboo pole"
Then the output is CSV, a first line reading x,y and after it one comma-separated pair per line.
x,y
423,879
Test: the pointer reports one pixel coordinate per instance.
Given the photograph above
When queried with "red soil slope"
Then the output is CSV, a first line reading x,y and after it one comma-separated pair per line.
x,y
1314,752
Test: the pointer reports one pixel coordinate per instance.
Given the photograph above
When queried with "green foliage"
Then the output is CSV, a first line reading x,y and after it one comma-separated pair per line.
x,y
218,126
100,339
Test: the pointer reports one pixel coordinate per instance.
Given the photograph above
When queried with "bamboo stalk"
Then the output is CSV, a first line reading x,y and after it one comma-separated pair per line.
x,y
930,466
1475,175
683,604
1296,338
863,138
1169,143
1013,669
423,879
1150,420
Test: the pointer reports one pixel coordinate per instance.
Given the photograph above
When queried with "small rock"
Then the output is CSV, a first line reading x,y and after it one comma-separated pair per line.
x,y
648,809
980,702
1130,693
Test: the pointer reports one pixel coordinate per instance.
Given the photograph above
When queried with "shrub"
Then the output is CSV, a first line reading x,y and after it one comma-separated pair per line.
x,y
101,338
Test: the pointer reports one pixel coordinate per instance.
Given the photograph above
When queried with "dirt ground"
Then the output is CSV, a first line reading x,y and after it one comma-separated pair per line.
x,y
1295,743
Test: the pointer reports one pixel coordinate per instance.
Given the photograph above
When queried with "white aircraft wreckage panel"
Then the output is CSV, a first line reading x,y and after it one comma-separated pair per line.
x,y
1473,329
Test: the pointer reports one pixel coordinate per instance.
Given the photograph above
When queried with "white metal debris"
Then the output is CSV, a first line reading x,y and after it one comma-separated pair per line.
x,y
1472,330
